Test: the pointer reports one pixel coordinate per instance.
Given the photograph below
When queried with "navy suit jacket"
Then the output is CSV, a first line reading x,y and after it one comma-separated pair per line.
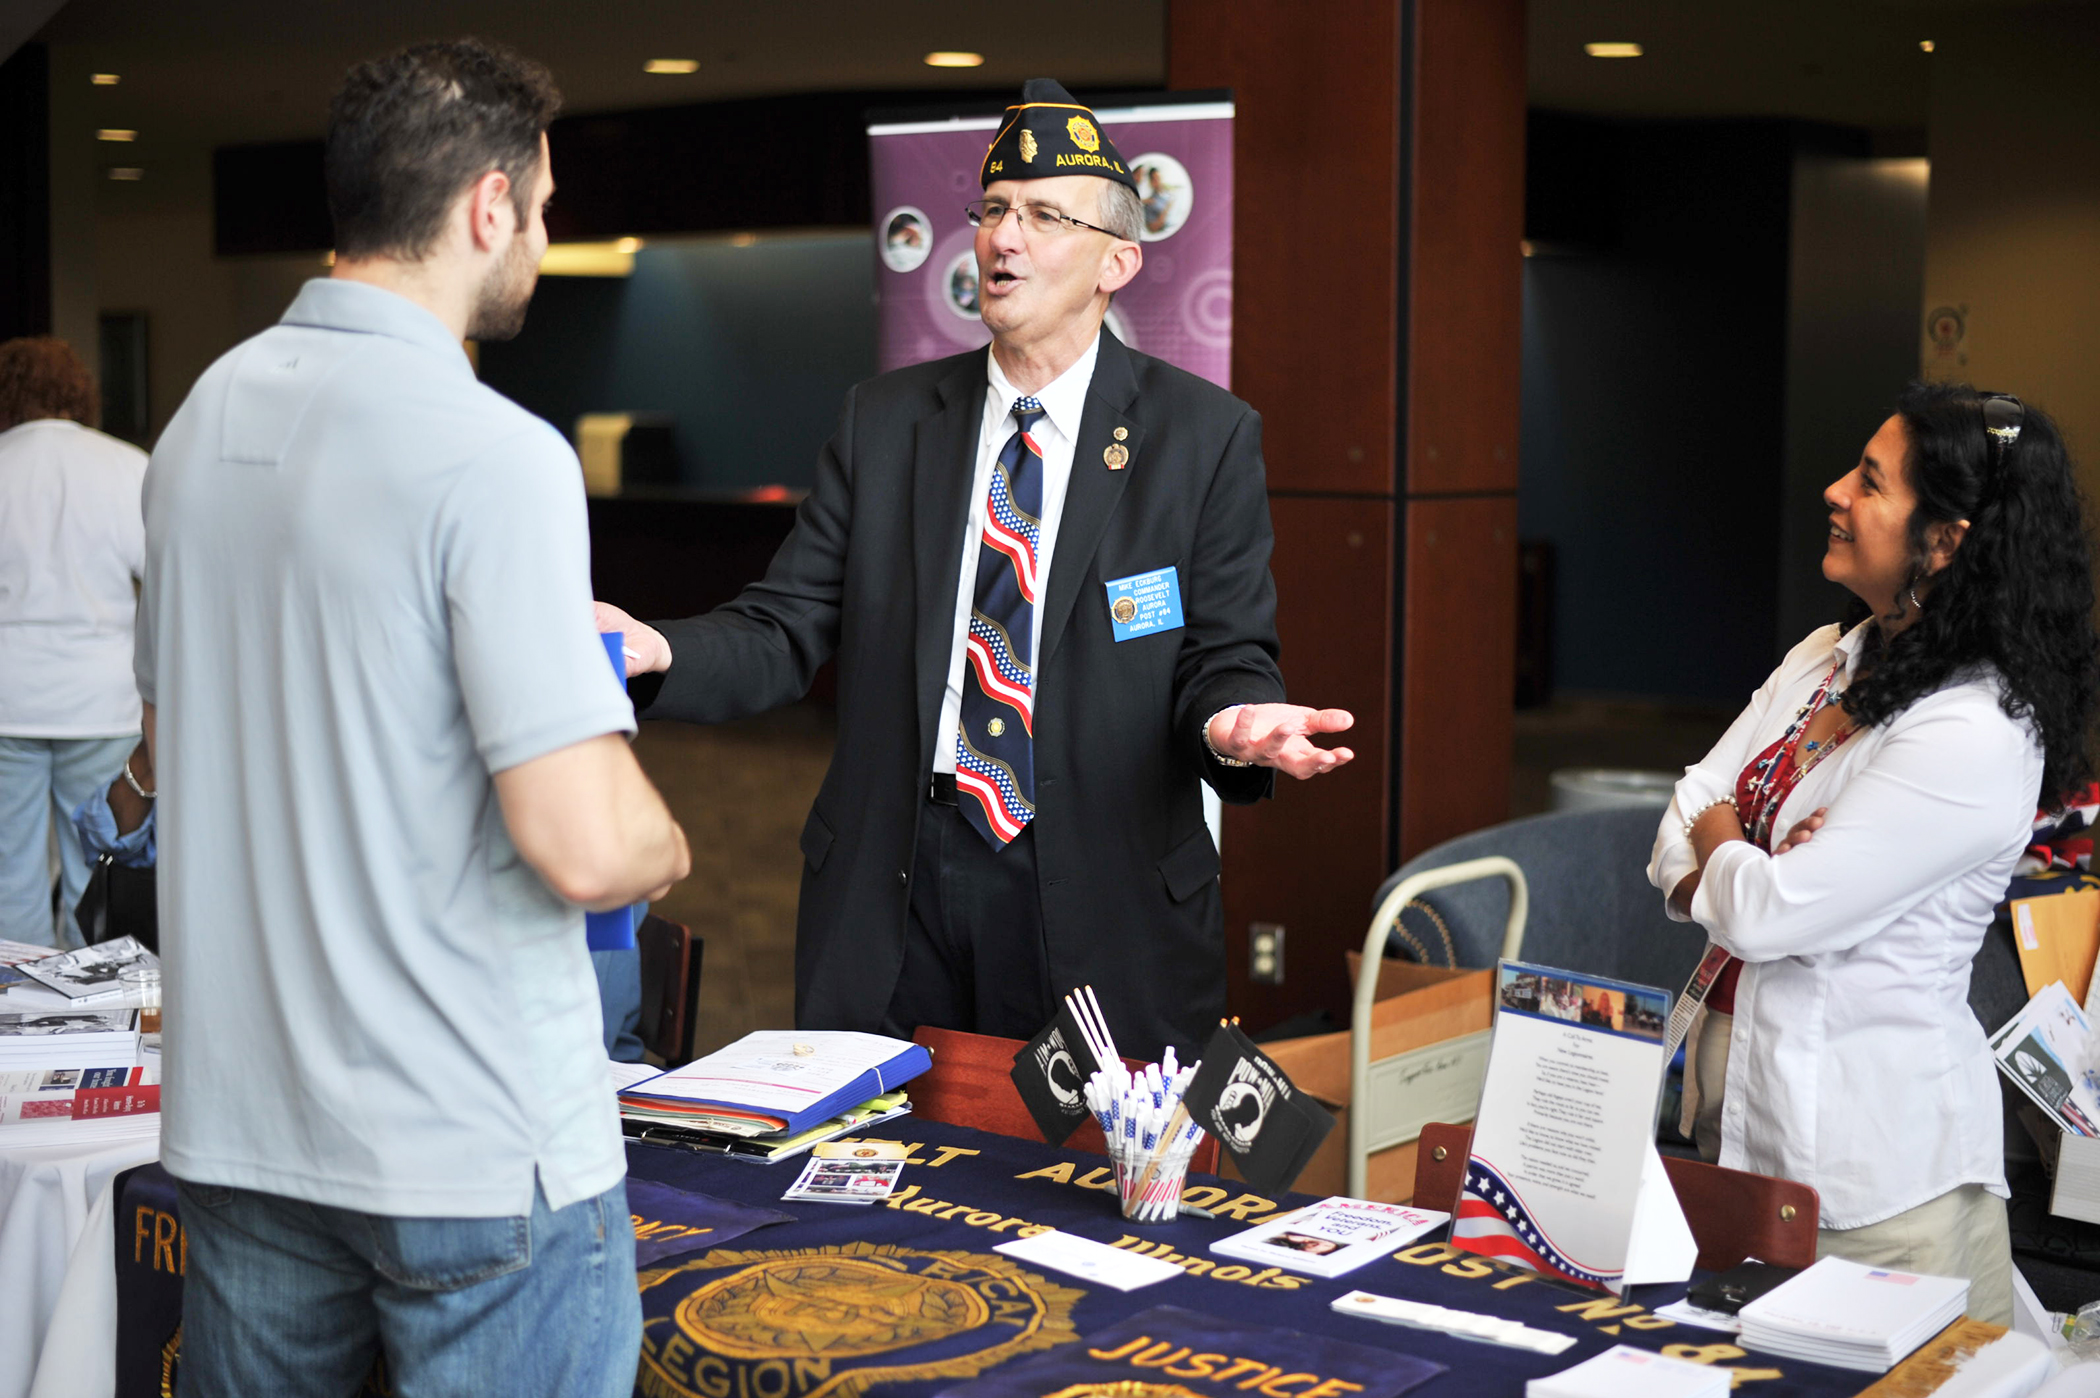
x,y
1125,865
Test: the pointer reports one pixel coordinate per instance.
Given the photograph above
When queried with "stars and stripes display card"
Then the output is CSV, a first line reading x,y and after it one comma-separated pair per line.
x,y
1564,1177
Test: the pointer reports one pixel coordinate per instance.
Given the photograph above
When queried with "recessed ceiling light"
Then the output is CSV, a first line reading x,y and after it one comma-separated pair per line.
x,y
954,58
672,65
104,79
1925,44
629,246
112,133
126,172
1612,50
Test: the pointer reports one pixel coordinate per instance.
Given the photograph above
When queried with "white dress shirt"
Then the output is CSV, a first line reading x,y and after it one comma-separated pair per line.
x,y
1855,1064
1063,400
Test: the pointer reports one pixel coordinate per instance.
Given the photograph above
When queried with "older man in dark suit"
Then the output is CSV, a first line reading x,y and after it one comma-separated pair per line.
x,y
1043,570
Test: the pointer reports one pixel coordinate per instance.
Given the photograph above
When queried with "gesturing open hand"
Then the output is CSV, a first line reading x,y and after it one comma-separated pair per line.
x,y
1280,736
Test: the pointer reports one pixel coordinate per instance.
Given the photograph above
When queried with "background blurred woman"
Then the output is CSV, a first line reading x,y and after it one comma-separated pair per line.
x,y
1849,836
72,544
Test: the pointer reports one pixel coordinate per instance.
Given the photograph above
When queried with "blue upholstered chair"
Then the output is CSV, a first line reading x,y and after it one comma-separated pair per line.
x,y
1592,908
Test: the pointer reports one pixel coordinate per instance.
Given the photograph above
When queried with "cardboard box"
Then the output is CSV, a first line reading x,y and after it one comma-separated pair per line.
x,y
1429,1032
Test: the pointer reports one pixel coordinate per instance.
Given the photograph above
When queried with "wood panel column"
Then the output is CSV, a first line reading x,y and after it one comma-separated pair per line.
x,y
1379,185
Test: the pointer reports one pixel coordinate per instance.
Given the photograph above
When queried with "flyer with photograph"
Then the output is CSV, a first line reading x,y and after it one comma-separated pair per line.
x,y
2044,1050
836,1181
1564,1177
1332,1237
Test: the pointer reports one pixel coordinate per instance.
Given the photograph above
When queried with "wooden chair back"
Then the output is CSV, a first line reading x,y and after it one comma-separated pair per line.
x,y
1734,1214
670,956
970,1084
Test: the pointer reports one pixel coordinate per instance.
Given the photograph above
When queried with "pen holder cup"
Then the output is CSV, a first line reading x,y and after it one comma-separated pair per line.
x,y
1153,1197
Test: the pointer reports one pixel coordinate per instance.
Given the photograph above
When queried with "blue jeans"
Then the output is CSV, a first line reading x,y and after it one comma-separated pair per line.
x,y
41,781
287,1298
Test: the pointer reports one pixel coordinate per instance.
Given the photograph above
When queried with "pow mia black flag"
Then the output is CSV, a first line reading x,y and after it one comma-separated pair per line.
x,y
1052,1073
1246,1101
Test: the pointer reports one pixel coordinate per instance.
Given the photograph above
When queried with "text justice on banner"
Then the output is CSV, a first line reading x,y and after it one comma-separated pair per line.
x,y
924,166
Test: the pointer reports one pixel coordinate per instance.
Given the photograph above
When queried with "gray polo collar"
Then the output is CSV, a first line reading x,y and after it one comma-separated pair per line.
x,y
331,303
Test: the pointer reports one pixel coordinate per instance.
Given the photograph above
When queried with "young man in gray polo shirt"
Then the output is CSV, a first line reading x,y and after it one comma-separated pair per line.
x,y
393,764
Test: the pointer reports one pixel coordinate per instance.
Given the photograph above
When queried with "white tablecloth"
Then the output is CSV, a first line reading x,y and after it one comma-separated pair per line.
x,y
46,1194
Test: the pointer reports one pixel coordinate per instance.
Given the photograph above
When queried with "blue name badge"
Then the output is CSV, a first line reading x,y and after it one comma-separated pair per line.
x,y
1144,603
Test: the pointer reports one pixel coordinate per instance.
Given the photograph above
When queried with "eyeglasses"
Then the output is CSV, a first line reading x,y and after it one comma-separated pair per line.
x,y
1035,218
2003,416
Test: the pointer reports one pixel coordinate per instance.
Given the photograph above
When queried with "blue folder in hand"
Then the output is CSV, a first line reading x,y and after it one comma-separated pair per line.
x,y
613,931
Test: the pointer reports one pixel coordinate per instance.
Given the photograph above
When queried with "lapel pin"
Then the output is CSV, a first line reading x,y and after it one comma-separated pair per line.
x,y
1116,457
1121,433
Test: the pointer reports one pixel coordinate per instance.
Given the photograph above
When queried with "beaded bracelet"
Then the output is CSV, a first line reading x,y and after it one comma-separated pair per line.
x,y
133,782
1693,818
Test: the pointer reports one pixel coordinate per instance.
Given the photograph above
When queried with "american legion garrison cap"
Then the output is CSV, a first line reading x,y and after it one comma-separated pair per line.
x,y
1046,133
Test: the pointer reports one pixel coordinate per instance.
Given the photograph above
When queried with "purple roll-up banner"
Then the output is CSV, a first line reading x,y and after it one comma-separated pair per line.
x,y
1180,306
613,931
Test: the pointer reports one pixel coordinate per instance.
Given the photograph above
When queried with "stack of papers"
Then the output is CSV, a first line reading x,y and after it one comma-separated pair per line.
x,y
1625,1372
1330,1238
68,1038
687,1130
61,1064
1853,1316
67,1132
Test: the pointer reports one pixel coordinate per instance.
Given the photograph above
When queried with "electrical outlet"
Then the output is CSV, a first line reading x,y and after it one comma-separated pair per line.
x,y
1265,953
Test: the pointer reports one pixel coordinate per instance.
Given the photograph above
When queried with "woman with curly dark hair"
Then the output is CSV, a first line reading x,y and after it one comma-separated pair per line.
x,y
1846,841
72,544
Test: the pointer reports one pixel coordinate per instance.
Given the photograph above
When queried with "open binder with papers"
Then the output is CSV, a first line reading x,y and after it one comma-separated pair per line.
x,y
776,1082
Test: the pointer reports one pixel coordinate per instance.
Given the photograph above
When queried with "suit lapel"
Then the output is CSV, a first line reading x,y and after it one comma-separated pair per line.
x,y
1094,490
944,464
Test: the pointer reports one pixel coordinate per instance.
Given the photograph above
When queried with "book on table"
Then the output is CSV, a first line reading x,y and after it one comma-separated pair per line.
x,y
778,1082
68,1038
89,974
1331,1238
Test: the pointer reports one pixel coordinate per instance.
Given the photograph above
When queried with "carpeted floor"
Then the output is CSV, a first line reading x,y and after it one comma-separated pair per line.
x,y
742,791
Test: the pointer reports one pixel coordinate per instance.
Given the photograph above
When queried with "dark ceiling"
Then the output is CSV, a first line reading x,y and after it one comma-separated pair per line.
x,y
221,71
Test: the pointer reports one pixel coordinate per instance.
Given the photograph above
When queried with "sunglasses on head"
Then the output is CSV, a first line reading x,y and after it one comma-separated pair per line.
x,y
2003,416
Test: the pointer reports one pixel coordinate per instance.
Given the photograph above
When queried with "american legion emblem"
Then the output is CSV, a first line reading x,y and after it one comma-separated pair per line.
x,y
1124,610
1028,145
829,1322
1083,134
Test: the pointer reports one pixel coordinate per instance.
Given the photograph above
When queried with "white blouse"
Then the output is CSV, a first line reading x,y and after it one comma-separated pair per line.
x,y
72,543
1855,1064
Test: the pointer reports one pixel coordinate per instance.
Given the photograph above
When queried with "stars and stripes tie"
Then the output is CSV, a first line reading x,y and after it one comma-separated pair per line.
x,y
995,743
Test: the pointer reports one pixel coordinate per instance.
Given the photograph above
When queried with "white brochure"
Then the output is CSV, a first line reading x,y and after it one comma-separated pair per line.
x,y
1564,1176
